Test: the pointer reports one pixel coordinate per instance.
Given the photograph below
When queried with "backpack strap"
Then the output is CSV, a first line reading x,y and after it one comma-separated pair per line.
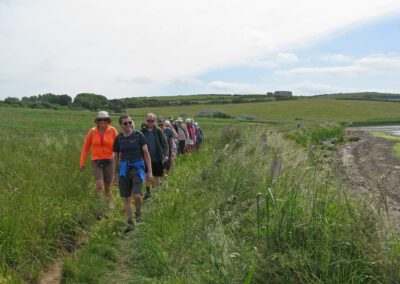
x,y
93,130
183,129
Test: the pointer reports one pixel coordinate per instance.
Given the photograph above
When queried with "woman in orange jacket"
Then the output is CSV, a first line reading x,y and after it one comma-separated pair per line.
x,y
101,139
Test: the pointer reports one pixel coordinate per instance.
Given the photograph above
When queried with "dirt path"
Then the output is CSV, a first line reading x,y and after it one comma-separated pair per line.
x,y
372,167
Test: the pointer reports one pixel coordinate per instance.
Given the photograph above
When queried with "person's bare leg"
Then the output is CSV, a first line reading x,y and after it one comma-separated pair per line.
x,y
99,187
128,207
138,201
157,181
107,189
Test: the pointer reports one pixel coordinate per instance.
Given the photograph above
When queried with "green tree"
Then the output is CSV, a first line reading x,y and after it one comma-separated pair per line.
x,y
91,101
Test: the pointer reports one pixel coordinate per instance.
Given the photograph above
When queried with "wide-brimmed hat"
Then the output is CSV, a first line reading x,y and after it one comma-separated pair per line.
x,y
179,119
102,114
170,118
189,120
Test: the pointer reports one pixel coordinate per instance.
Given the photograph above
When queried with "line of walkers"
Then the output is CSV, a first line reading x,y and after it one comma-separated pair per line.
x,y
131,157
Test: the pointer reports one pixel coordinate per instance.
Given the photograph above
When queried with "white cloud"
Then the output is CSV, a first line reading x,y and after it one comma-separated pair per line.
x,y
308,88
372,65
287,58
337,58
235,88
81,45
136,80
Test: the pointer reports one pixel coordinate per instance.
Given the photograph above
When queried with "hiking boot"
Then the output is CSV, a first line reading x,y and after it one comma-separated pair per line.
x,y
138,216
130,227
146,196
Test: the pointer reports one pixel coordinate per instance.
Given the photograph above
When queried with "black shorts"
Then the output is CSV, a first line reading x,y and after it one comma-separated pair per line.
x,y
132,183
157,169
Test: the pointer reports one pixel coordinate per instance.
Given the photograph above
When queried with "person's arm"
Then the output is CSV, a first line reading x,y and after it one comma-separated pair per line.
x,y
172,147
147,159
115,165
164,146
174,133
85,150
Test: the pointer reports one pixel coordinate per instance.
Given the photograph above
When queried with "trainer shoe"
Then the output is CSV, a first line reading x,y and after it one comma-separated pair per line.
x,y
130,227
146,196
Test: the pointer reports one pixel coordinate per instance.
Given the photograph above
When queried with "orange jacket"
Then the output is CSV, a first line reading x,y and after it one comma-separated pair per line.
x,y
99,152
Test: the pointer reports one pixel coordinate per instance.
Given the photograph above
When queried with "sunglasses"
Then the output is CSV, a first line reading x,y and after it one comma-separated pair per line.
x,y
127,122
161,124
149,120
102,119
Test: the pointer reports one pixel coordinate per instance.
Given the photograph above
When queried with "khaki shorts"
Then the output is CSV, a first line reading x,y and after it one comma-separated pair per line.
x,y
105,173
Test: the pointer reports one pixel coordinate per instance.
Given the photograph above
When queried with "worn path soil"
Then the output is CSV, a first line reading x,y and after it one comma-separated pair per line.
x,y
371,167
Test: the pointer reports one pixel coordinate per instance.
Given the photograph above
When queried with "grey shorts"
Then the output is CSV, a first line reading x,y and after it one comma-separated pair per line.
x,y
105,173
132,183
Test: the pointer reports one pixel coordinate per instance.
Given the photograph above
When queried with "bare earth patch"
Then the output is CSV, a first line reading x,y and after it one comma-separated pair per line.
x,y
371,167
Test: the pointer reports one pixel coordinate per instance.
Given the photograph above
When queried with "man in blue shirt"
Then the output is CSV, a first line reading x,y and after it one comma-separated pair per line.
x,y
130,148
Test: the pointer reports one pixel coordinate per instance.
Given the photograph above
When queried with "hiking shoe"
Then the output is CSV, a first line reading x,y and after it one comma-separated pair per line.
x,y
146,196
130,227
138,216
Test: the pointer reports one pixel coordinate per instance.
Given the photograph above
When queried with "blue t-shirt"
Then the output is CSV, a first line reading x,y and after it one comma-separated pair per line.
x,y
130,146
151,144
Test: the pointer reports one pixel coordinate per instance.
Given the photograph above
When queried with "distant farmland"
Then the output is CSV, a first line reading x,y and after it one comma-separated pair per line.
x,y
308,109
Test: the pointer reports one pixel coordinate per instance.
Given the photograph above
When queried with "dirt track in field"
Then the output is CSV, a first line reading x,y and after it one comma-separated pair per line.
x,y
372,167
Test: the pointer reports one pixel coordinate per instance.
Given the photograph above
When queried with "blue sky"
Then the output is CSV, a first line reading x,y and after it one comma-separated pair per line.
x,y
379,39
154,48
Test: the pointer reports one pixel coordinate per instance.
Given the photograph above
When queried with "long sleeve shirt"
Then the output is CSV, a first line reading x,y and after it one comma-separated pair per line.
x,y
102,144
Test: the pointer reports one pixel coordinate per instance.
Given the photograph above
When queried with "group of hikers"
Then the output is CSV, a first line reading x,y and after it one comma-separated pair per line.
x,y
132,156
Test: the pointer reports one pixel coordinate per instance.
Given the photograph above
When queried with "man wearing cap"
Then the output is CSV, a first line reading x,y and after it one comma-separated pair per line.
x,y
101,139
158,148
182,135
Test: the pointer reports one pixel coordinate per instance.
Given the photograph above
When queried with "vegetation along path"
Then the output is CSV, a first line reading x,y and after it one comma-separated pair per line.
x,y
374,169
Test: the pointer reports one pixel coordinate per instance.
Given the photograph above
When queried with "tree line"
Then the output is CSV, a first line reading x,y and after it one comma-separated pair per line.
x,y
95,102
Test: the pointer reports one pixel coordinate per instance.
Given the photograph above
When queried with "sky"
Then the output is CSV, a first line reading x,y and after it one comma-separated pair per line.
x,y
126,48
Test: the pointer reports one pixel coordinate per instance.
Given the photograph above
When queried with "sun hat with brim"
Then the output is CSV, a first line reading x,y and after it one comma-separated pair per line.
x,y
179,119
102,114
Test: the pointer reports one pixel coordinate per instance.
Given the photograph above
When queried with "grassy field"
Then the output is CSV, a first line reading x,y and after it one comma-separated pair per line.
x,y
47,204
304,109
222,217
201,227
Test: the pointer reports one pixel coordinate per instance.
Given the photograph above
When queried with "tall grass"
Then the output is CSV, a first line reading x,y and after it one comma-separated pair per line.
x,y
46,203
206,226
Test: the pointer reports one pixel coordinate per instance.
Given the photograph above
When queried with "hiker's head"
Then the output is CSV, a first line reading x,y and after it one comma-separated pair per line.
x,y
179,120
126,122
189,121
161,122
167,124
102,118
150,120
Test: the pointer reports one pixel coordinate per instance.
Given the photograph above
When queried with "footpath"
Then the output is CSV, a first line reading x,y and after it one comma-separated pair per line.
x,y
371,167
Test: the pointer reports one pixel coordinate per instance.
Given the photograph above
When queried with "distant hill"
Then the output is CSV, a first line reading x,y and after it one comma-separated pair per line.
x,y
369,96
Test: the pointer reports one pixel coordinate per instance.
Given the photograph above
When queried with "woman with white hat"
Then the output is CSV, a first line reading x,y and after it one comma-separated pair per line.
x,y
101,139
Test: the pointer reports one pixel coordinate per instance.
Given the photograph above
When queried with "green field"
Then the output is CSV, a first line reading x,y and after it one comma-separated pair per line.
x,y
304,109
209,216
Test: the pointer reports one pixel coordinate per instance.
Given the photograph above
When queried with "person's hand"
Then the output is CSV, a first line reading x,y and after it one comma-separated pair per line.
x,y
115,181
83,168
149,175
165,159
